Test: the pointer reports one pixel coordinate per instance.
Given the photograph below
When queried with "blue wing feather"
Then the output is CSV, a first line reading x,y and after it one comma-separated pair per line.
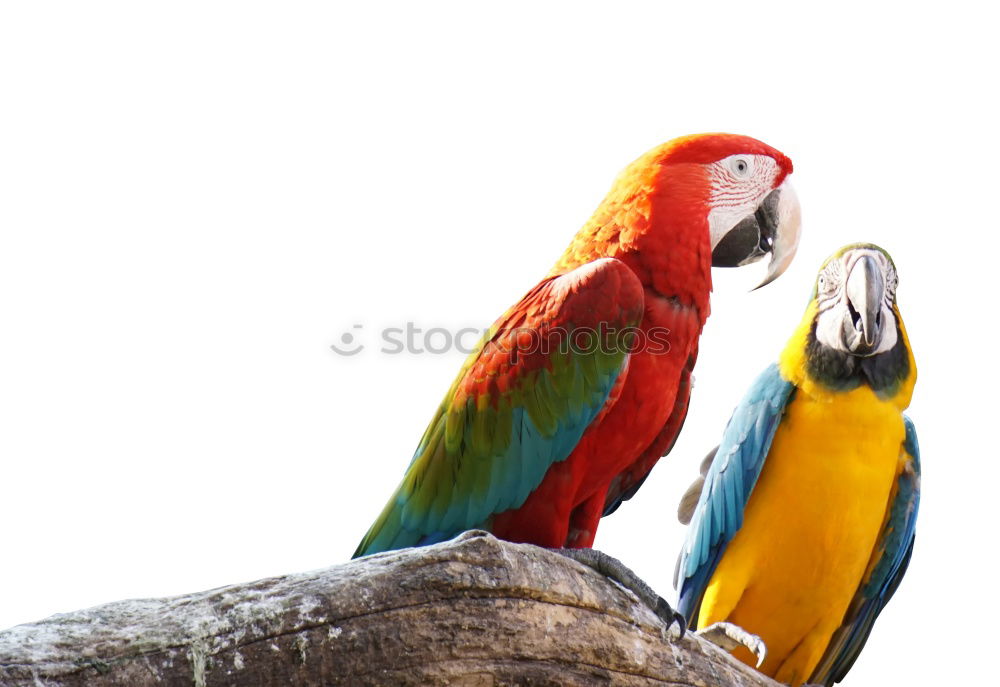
x,y
889,561
474,462
729,483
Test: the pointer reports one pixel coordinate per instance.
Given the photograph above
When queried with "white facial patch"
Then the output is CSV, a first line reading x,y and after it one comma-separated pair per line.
x,y
835,310
739,184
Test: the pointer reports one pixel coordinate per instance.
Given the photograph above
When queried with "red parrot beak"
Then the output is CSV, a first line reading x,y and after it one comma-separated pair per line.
x,y
772,228
786,228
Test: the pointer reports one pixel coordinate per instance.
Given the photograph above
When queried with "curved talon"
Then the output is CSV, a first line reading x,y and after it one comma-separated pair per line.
x,y
669,616
729,636
760,653
681,623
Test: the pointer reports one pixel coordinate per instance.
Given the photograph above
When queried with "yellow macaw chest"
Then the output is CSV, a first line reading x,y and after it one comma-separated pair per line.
x,y
809,528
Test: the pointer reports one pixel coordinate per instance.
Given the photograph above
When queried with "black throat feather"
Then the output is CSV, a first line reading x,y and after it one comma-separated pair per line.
x,y
840,371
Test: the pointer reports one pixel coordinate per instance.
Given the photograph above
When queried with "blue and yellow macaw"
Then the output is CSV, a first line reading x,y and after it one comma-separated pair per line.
x,y
804,519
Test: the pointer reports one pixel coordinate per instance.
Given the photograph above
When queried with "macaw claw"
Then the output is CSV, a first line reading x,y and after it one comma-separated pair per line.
x,y
729,637
617,571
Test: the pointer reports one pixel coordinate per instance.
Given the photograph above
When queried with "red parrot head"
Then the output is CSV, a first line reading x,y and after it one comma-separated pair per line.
x,y
693,203
753,210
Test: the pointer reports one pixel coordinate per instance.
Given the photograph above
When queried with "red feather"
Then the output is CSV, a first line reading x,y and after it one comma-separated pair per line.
x,y
655,220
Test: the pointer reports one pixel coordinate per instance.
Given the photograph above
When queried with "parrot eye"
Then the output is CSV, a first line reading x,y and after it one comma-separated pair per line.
x,y
825,284
740,166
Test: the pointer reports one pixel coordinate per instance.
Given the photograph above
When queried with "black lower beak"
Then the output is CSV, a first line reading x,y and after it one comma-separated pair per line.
x,y
752,238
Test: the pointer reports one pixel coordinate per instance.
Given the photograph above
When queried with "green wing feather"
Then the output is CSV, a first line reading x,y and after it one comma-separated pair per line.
x,y
520,403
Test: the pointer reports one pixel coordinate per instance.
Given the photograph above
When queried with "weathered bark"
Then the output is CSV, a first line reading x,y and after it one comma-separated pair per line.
x,y
473,611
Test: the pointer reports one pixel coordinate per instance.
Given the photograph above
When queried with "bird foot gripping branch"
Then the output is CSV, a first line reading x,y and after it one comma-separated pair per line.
x,y
614,569
729,636
725,635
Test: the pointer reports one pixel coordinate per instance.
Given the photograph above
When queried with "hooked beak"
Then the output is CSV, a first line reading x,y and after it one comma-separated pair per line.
x,y
773,228
865,291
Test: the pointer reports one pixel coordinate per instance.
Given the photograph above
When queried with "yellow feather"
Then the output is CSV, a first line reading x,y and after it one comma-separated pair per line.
x,y
813,519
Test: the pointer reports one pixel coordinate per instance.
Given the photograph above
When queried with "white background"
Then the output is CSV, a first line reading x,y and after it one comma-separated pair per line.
x,y
197,199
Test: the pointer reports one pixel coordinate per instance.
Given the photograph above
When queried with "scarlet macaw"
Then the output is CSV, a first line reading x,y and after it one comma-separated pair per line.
x,y
571,397
805,514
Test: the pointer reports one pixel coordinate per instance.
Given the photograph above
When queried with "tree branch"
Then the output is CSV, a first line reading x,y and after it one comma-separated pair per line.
x,y
472,611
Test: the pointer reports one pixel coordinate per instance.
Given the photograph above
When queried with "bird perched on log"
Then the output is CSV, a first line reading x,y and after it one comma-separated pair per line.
x,y
802,524
576,391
